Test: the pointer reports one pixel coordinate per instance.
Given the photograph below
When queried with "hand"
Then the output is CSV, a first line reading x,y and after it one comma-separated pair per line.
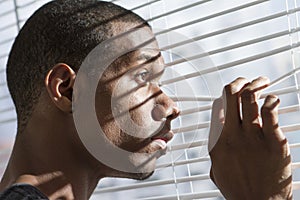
x,y
250,159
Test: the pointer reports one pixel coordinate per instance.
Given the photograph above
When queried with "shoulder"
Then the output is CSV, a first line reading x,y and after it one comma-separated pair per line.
x,y
22,192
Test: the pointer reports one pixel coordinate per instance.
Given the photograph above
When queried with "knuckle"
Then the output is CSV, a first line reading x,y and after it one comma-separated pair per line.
x,y
241,79
235,86
230,89
267,111
264,78
248,94
271,96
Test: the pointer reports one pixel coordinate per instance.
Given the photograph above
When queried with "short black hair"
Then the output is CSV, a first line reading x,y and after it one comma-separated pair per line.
x,y
60,31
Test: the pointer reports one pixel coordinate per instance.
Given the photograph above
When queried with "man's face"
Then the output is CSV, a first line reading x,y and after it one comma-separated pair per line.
x,y
133,112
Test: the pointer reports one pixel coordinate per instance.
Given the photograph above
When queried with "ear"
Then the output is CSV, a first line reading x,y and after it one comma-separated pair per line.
x,y
59,83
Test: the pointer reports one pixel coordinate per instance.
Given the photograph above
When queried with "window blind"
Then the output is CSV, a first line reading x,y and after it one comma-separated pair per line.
x,y
215,42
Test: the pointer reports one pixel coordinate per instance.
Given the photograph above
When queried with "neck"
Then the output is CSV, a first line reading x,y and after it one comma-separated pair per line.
x,y
60,171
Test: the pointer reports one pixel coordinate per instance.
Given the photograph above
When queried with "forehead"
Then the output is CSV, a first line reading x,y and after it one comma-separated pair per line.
x,y
135,60
140,56
128,48
137,46
129,37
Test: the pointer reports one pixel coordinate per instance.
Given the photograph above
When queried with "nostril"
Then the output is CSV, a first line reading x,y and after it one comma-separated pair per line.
x,y
158,113
175,113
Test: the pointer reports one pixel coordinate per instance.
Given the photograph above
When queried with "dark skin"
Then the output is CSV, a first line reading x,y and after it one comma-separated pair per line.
x,y
245,164
43,155
251,159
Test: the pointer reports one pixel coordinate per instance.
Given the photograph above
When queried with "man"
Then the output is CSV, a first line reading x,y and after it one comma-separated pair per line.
x,y
52,70
58,38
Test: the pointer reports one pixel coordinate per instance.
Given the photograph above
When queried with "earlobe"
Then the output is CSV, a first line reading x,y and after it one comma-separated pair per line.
x,y
59,83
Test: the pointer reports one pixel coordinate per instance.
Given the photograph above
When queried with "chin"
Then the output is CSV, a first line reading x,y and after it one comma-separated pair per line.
x,y
136,176
141,166
143,176
142,172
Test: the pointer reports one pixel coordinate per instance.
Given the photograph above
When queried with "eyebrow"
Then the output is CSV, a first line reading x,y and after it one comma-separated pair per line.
x,y
148,57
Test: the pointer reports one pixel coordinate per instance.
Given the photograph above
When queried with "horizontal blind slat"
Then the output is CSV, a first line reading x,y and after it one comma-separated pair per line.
x,y
287,128
2,84
201,143
211,16
26,4
178,10
192,127
201,159
205,142
296,145
4,97
287,109
6,110
290,128
234,46
196,98
183,162
196,195
232,28
272,83
2,1
286,90
295,165
3,56
7,41
233,63
153,183
202,195
4,28
195,110
6,13
296,185
6,121
145,4
187,145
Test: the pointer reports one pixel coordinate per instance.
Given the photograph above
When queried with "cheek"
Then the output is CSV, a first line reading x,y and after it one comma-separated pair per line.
x,y
134,116
103,106
106,118
140,110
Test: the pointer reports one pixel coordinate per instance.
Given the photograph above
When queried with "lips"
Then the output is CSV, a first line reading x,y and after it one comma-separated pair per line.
x,y
160,143
163,138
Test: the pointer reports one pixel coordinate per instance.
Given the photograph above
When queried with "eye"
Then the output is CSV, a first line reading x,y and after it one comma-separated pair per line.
x,y
142,76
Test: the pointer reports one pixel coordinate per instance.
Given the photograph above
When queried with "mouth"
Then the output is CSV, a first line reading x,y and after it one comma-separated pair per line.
x,y
163,138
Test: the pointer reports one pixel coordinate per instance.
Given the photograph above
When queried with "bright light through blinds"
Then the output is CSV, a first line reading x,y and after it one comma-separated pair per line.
x,y
246,38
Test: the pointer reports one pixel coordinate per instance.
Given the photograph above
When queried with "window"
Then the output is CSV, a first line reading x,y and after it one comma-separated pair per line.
x,y
206,44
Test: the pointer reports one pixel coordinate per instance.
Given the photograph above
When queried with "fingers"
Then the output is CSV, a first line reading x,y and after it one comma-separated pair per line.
x,y
216,124
249,96
269,113
232,109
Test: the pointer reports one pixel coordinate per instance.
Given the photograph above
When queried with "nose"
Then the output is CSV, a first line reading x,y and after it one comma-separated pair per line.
x,y
165,108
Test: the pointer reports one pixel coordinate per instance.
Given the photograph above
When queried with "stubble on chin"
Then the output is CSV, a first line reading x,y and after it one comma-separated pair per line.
x,y
144,176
